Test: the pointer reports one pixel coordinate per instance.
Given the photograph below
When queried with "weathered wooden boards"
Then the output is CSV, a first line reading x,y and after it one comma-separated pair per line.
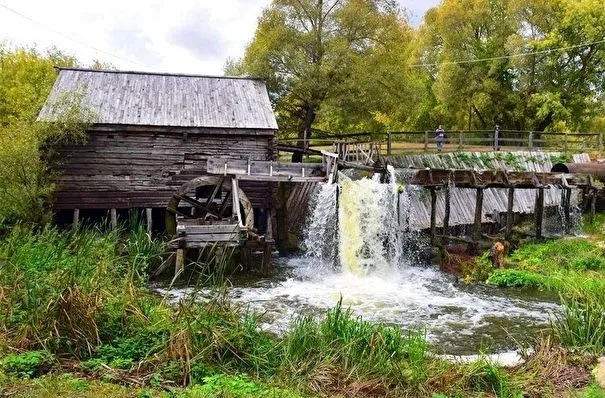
x,y
255,170
494,179
137,166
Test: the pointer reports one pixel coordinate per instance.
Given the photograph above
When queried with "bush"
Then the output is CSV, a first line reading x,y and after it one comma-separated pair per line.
x,y
515,278
29,364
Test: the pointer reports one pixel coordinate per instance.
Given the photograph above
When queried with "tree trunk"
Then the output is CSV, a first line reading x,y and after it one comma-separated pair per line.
x,y
304,130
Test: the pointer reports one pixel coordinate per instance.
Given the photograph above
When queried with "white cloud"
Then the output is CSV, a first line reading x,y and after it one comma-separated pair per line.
x,y
186,36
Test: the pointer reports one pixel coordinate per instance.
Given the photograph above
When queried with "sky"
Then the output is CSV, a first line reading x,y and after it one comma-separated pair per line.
x,y
178,36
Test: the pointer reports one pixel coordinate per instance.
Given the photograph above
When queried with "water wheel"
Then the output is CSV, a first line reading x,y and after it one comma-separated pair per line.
x,y
208,199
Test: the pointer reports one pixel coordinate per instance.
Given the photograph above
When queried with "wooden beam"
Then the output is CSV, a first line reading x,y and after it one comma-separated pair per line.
x,y
539,212
433,215
509,214
478,211
179,265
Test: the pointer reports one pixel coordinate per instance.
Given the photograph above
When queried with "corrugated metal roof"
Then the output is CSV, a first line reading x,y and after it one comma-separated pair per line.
x,y
154,99
462,209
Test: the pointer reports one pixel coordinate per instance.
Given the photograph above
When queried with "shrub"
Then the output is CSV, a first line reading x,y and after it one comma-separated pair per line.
x,y
515,278
29,364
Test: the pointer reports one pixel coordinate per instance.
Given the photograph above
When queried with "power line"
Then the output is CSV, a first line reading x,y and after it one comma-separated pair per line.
x,y
470,61
69,37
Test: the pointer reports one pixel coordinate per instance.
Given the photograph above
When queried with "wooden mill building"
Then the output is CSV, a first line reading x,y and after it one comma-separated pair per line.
x,y
154,132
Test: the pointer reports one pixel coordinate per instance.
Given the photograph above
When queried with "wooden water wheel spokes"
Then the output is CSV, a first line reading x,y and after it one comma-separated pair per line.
x,y
213,207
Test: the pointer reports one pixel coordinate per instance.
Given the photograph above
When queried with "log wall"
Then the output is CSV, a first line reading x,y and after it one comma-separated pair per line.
x,y
134,166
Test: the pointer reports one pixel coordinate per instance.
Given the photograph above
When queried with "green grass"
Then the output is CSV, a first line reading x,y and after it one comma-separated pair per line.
x,y
78,302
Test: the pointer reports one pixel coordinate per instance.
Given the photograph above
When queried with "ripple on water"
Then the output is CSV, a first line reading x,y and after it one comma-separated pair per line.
x,y
457,319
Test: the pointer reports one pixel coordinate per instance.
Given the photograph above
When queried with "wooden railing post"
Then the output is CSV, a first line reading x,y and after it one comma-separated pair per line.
x,y
460,140
426,141
565,142
530,140
601,141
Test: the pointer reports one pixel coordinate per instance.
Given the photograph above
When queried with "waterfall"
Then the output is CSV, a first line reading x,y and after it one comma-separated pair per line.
x,y
358,225
321,233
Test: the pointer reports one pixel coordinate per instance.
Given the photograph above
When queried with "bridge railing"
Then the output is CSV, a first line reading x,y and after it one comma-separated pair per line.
x,y
399,142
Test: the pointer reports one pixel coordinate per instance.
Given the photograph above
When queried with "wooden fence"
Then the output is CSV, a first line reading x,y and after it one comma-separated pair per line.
x,y
400,142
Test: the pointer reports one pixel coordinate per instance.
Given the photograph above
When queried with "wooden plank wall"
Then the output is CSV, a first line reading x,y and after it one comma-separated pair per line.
x,y
297,205
127,167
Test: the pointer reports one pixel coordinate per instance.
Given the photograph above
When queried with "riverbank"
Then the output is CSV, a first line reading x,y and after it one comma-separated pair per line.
x,y
78,319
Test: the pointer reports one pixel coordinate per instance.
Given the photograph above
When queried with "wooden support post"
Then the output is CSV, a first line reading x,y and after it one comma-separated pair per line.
x,y
530,140
567,209
269,242
509,214
478,211
593,205
433,215
113,216
460,140
148,214
446,213
282,218
565,142
179,266
539,212
76,218
601,141
389,144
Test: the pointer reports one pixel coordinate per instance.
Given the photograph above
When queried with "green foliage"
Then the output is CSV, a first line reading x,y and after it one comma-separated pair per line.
x,y
483,375
28,364
68,290
582,322
561,158
514,278
27,146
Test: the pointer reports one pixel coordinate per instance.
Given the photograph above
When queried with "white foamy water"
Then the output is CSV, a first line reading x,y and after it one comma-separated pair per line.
x,y
362,252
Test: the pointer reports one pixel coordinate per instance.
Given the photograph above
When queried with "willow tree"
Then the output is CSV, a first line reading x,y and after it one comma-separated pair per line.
x,y
307,49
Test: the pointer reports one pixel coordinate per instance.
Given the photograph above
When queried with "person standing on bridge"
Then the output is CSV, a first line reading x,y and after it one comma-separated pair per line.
x,y
440,137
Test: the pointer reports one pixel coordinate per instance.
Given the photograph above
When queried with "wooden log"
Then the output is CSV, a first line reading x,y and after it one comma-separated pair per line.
x,y
76,218
446,214
509,214
478,211
148,217
113,215
433,215
539,212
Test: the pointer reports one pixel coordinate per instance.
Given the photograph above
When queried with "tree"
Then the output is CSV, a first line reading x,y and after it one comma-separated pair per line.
x,y
26,146
475,47
307,51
